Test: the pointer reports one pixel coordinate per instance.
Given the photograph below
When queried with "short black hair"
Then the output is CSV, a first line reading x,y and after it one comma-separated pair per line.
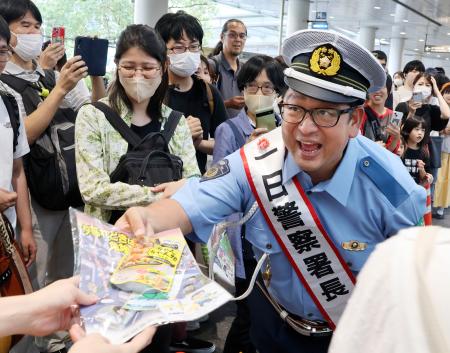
x,y
4,30
13,10
414,65
172,26
379,54
253,67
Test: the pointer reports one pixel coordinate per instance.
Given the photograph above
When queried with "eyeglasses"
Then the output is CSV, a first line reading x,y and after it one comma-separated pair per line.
x,y
234,35
266,89
322,117
5,54
147,72
180,49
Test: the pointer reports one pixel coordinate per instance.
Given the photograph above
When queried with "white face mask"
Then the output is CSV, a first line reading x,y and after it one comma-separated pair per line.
x,y
184,64
255,102
29,46
398,82
140,88
426,91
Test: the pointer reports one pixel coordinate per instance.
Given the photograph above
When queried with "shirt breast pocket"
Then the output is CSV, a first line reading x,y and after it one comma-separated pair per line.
x,y
258,233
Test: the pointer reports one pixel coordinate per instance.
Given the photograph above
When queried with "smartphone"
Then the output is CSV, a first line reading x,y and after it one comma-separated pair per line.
x,y
396,118
58,34
417,97
265,117
94,52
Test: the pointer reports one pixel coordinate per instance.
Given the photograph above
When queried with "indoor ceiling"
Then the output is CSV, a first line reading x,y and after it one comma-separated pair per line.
x,y
420,22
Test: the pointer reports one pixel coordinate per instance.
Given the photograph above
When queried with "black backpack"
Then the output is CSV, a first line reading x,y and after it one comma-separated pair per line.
x,y
50,166
148,162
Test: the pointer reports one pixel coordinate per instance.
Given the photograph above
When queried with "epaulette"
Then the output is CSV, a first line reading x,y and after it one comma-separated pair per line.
x,y
386,183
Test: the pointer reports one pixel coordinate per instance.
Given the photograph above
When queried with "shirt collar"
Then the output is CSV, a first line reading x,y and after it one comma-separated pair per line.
x,y
14,69
226,64
338,186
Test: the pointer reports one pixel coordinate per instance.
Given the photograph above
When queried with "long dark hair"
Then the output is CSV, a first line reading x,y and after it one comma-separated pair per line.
x,y
409,125
145,38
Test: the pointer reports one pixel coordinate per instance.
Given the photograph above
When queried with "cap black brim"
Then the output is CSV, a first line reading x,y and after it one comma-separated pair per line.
x,y
319,93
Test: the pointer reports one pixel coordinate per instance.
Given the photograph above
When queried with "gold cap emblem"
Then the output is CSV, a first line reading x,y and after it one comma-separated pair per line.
x,y
325,60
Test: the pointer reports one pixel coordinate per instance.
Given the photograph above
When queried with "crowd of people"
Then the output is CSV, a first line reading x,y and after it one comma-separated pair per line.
x,y
345,167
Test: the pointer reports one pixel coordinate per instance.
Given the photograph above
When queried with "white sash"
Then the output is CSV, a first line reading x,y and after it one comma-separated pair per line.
x,y
296,226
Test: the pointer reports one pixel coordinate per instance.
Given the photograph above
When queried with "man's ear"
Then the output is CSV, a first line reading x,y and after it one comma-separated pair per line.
x,y
355,121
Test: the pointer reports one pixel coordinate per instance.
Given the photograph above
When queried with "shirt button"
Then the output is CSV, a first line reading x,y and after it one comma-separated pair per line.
x,y
268,246
349,264
310,314
366,163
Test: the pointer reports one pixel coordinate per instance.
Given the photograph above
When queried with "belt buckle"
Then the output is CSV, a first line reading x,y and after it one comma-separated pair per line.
x,y
311,328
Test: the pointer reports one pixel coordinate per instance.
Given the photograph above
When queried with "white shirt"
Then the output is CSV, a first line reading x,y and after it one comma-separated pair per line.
x,y
7,155
400,303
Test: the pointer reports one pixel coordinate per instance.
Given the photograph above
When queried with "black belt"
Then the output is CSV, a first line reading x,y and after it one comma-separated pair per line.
x,y
303,326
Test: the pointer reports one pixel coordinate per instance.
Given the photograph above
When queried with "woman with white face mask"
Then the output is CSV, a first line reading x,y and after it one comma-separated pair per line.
x,y
424,89
137,95
261,80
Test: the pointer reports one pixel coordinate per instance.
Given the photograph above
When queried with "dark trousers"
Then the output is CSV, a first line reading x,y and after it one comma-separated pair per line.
x,y
270,334
238,338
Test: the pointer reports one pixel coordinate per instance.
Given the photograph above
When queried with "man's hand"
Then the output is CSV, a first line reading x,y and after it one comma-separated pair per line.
x,y
135,221
7,199
29,247
50,56
168,189
195,126
73,71
95,343
236,102
54,307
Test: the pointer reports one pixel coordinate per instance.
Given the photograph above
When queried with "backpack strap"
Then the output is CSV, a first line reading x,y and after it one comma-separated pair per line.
x,y
17,84
30,92
237,135
216,71
14,116
171,124
118,124
49,80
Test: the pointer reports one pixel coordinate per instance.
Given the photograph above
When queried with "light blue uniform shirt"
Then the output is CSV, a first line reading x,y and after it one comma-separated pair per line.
x,y
370,197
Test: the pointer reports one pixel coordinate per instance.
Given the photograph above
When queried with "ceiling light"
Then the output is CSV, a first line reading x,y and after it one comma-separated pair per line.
x,y
448,33
405,20
331,17
438,56
421,40
416,49
446,58
392,14
402,33
377,8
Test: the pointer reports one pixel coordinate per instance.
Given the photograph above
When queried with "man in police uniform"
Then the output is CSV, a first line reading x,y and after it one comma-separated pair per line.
x,y
325,194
